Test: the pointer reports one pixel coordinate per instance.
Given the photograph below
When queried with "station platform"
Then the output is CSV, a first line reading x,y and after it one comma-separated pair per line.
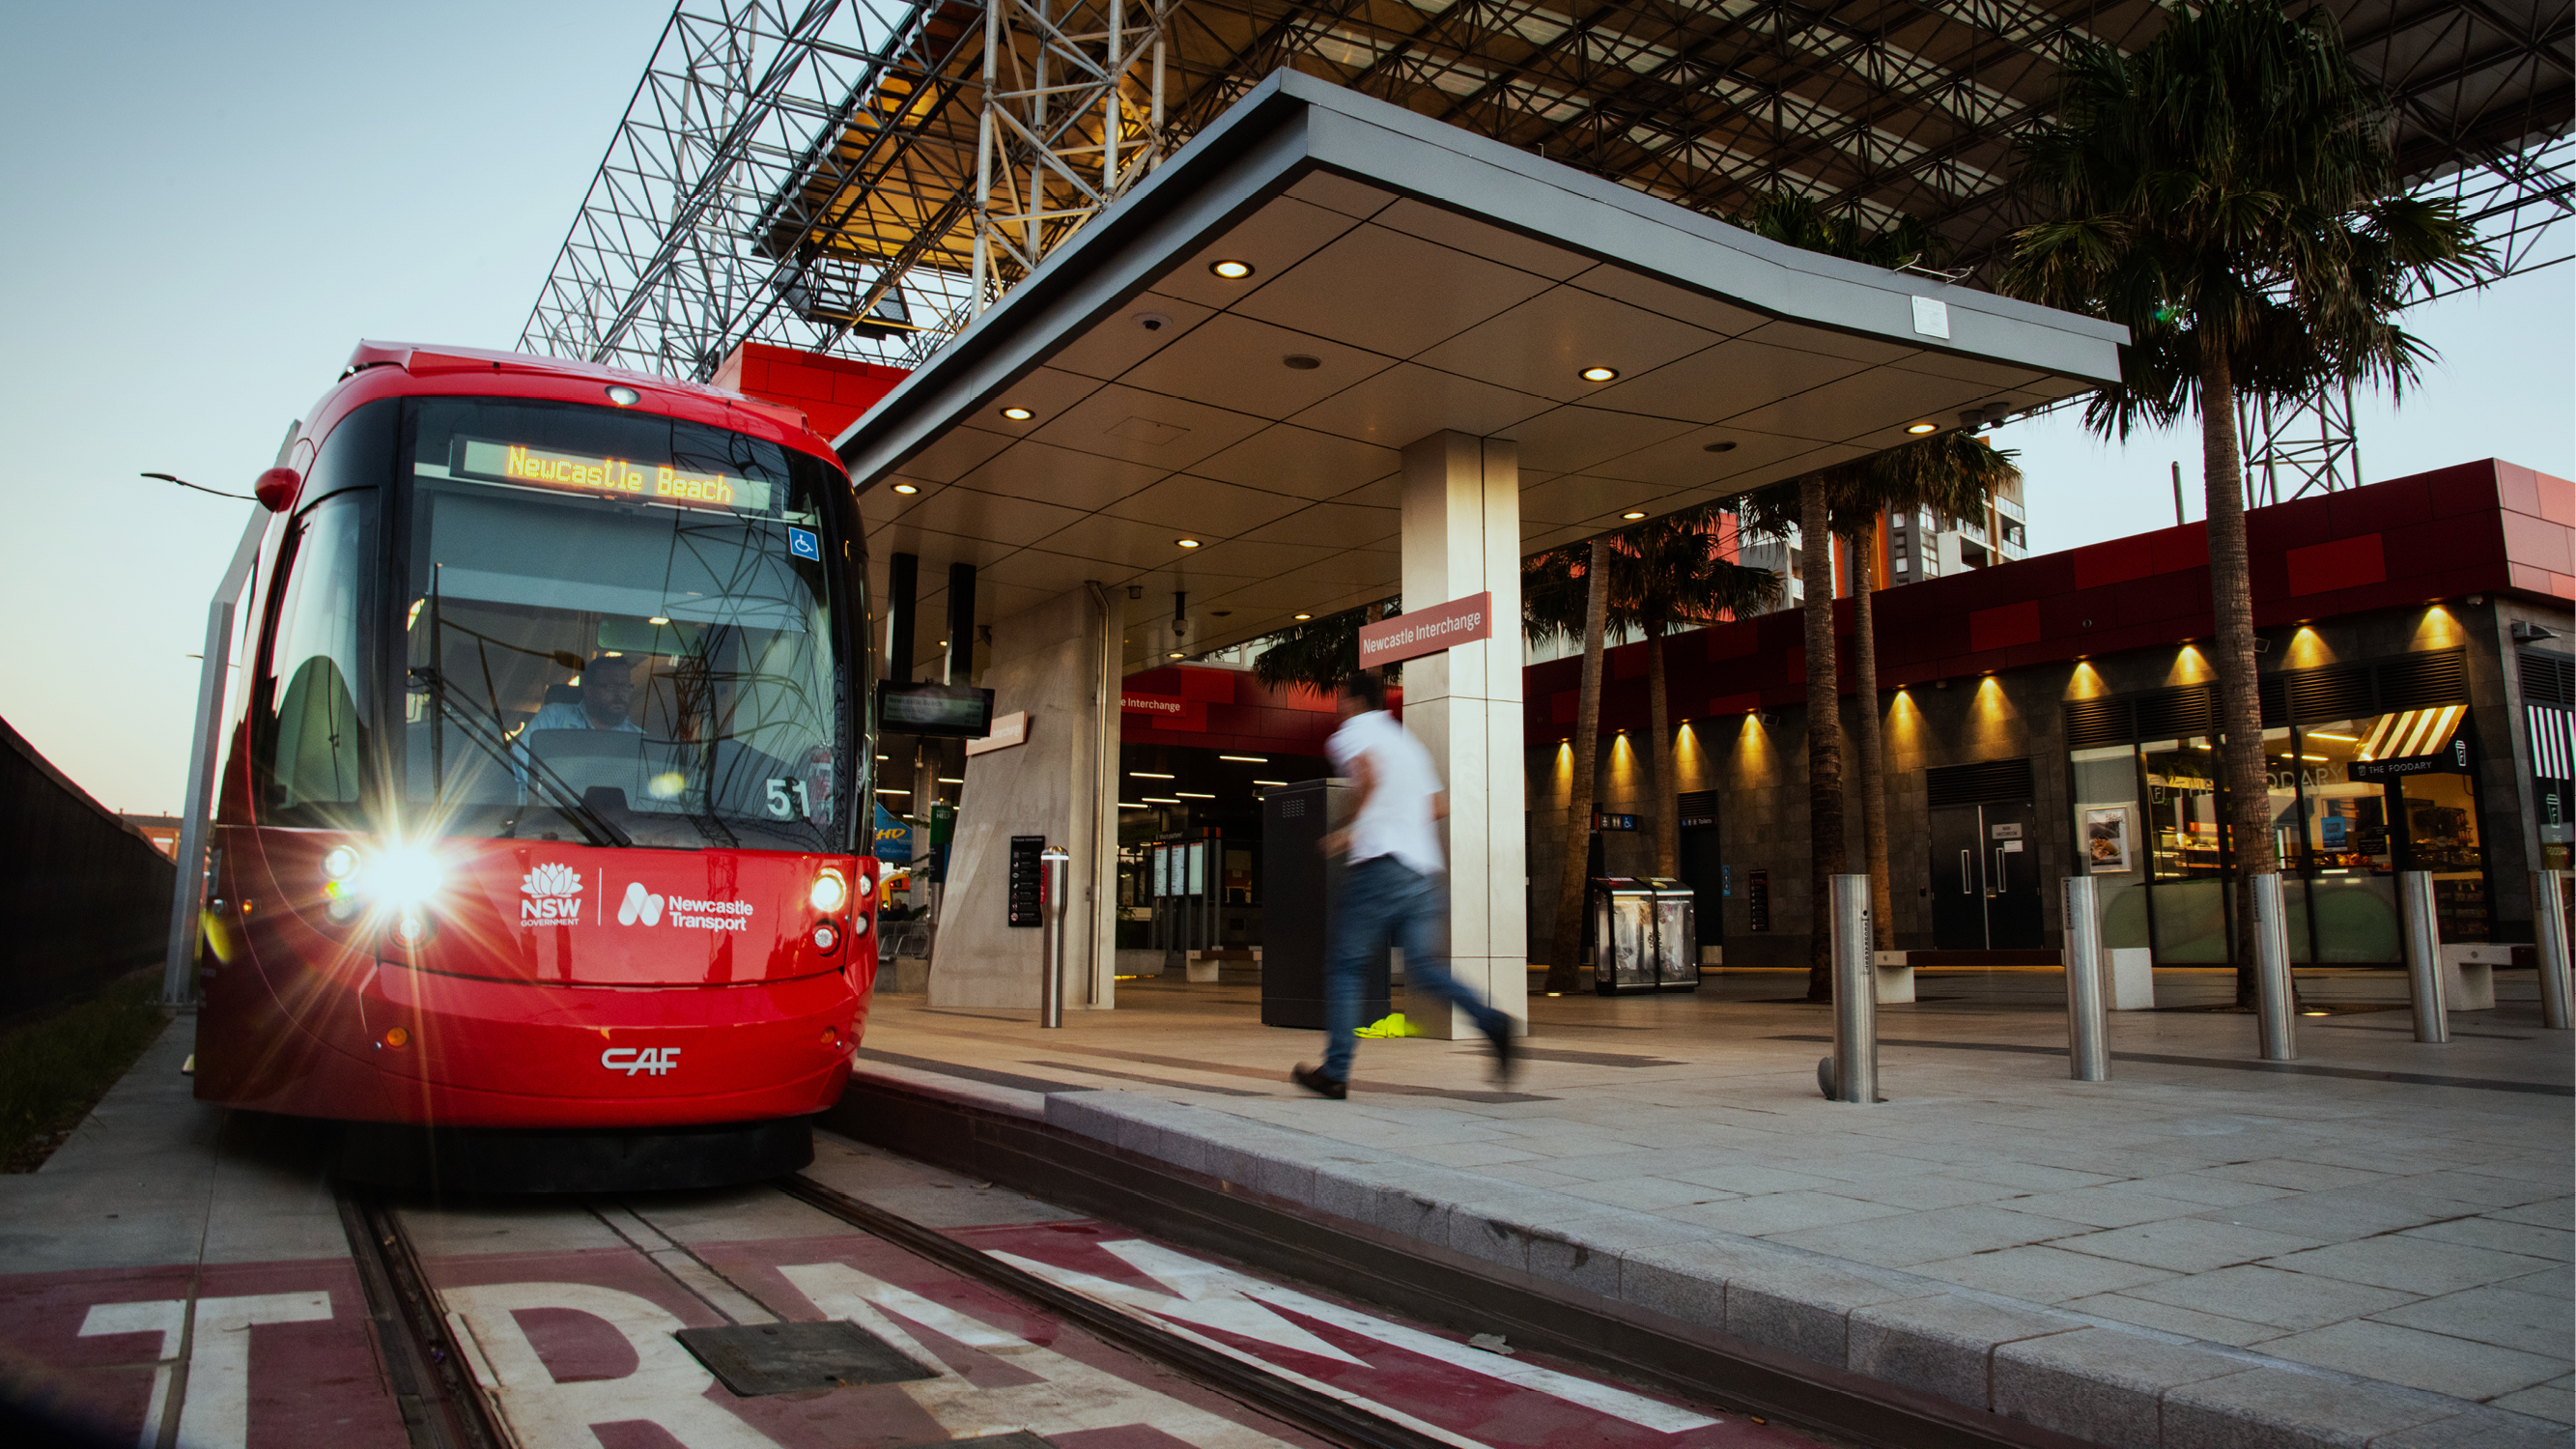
x,y
2369,1245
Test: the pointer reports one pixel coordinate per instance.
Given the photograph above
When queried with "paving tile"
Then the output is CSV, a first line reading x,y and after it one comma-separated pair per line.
x,y
1781,1212
1687,1280
2277,1408
1525,1174
1942,1345
1926,1190
2117,1206
1470,1154
2558,1280
2413,1265
2431,1361
2477,1188
2189,1322
2502,1236
2037,1273
2294,1301
2555,1399
1925,1237
2295,1173
2342,1214
2526,1321
2036,1177
2188,1245
1646,1194
1749,1178
2487,1426
2207,1188
2557,1212
2098,1384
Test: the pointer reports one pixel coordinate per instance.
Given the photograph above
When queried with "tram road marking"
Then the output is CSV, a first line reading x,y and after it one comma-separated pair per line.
x,y
667,1387
1071,1395
214,1412
1212,1296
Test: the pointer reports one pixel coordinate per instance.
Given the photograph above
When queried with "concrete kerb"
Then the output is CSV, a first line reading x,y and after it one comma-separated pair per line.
x,y
2097,1379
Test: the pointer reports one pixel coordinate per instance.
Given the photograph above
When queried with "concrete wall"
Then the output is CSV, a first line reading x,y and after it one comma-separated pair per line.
x,y
86,899
1045,661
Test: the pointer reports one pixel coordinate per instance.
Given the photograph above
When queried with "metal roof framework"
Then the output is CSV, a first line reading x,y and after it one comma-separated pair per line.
x,y
825,174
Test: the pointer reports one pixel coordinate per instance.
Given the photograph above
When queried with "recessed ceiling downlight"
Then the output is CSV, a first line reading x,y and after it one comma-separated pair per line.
x,y
1018,415
907,489
1232,271
1919,429
1599,374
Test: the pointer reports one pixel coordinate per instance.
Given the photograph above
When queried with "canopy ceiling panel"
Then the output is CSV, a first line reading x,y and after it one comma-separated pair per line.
x,y
1405,277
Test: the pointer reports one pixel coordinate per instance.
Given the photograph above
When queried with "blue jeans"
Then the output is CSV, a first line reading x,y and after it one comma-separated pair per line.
x,y
1383,903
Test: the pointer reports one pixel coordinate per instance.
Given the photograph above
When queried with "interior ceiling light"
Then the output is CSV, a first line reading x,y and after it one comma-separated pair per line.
x,y
1192,795
1018,415
906,489
1634,513
1187,542
1919,429
1270,782
1232,271
657,621
1599,374
1148,775
1247,759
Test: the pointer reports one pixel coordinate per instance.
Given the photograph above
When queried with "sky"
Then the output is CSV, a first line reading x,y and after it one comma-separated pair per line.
x,y
214,203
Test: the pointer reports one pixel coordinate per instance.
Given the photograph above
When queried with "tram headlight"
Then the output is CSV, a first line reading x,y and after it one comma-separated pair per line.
x,y
340,864
830,893
404,878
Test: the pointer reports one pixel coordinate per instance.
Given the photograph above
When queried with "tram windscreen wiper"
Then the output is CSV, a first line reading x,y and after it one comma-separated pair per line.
x,y
598,828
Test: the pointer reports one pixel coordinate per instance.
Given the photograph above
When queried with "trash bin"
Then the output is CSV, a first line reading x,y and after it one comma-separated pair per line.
x,y
1645,935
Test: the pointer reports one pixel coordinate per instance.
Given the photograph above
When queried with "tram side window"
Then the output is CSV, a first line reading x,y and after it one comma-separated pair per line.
x,y
311,764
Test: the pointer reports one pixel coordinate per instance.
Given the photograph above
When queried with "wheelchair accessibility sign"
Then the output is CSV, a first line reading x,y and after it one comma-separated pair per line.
x,y
803,544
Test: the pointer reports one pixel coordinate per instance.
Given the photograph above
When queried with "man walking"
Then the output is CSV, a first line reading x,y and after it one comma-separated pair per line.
x,y
1392,891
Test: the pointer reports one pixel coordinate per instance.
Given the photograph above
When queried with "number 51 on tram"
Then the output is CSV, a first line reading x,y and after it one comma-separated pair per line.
x,y
539,850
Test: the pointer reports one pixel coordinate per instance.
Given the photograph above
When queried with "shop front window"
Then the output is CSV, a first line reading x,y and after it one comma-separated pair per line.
x,y
2108,826
2352,892
2186,854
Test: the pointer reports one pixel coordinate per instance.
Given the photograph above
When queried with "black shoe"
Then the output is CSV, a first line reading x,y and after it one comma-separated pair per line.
x,y
1314,1080
1501,1037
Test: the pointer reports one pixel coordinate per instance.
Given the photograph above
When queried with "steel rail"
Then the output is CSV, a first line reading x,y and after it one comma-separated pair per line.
x,y
442,1407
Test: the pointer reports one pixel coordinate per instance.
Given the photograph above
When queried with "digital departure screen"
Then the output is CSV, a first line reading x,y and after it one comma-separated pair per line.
x,y
610,477
958,711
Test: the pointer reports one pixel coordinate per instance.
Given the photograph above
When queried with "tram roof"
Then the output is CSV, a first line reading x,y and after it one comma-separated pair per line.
x,y
1408,277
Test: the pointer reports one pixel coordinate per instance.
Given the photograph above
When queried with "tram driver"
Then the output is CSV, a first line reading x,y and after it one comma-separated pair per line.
x,y
607,700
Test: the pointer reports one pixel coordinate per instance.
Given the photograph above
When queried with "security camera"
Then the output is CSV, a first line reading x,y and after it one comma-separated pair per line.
x,y
1152,321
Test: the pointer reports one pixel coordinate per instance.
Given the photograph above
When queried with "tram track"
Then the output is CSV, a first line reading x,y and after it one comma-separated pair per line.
x,y
449,1398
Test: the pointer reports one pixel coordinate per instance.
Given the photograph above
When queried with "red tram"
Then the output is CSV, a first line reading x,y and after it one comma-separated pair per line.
x,y
538,851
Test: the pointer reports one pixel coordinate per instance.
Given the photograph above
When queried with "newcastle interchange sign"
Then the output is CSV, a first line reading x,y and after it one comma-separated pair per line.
x,y
1427,631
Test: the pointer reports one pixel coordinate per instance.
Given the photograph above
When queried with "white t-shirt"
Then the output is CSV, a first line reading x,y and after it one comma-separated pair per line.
x,y
1397,820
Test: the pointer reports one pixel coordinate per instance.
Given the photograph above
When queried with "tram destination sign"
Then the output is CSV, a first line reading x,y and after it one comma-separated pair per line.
x,y
605,477
955,711
1427,631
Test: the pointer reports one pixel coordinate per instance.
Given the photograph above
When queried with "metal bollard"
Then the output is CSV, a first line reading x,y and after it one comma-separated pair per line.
x,y
2088,1045
2423,956
2272,970
1855,1059
2549,934
1052,872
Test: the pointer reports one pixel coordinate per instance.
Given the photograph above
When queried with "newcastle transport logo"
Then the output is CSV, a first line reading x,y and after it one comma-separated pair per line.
x,y
642,907
550,895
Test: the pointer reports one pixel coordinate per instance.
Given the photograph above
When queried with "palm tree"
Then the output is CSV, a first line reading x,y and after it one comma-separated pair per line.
x,y
1320,652
1787,217
1667,574
1565,594
1659,576
2230,195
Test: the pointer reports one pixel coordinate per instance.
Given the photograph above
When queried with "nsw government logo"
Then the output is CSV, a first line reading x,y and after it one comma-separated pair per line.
x,y
550,895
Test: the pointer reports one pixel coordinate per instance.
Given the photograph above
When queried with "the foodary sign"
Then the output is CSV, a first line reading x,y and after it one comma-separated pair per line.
x,y
1427,631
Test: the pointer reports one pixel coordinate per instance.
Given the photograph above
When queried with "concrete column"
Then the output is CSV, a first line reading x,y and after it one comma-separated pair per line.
x,y
1047,662
1462,536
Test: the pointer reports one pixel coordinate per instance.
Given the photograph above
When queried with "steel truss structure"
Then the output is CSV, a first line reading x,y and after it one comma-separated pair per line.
x,y
863,176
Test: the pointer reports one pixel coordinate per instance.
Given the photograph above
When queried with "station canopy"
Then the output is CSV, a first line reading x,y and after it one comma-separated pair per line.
x,y
1233,354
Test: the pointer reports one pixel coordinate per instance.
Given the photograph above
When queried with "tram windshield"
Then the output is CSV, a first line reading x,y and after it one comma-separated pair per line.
x,y
618,628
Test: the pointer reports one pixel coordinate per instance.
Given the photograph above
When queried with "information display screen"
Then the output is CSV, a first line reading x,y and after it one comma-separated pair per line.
x,y
663,483
956,710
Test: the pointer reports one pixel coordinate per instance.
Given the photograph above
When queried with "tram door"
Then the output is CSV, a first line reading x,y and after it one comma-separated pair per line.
x,y
1985,870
